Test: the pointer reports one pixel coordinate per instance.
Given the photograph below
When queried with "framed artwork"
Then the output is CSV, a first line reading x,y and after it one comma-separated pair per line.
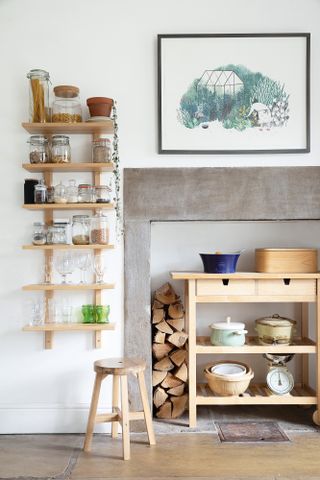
x,y
234,93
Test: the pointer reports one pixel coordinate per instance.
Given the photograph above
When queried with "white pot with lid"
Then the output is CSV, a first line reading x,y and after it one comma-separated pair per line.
x,y
228,333
275,330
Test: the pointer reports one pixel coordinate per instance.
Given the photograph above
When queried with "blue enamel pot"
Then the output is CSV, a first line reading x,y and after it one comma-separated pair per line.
x,y
219,263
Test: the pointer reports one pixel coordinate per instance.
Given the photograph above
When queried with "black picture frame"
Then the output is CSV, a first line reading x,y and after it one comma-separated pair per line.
x,y
172,151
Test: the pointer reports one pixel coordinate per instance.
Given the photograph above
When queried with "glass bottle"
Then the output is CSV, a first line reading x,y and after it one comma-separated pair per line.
x,y
60,149
66,107
39,111
72,192
60,195
39,236
40,192
50,194
101,150
39,149
80,229
99,231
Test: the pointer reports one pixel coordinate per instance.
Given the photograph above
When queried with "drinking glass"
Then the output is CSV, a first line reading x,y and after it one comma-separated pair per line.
x,y
99,267
37,311
87,313
102,313
66,313
83,263
65,265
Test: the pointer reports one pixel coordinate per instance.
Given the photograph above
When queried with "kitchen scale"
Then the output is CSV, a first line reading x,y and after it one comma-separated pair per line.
x,y
279,380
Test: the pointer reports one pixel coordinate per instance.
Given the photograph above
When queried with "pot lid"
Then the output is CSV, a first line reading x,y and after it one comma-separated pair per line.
x,y
276,321
228,325
66,91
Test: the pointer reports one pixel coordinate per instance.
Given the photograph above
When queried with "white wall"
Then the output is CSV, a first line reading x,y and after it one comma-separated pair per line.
x,y
106,48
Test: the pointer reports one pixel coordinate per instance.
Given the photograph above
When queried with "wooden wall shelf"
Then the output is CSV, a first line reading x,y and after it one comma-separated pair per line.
x,y
67,247
68,286
69,206
81,128
68,167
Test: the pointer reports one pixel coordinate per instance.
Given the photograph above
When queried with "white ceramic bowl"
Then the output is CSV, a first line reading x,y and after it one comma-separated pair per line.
x,y
229,369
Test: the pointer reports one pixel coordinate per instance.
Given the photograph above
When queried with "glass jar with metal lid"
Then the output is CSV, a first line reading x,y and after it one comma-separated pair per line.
x,y
103,194
40,192
39,111
66,107
101,150
99,232
80,229
39,149
86,193
60,149
57,234
39,236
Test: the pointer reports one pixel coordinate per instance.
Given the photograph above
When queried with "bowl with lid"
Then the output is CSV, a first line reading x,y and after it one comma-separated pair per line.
x,y
232,334
275,330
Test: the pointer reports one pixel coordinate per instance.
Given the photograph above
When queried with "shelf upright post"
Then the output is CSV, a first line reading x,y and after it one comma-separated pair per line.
x,y
190,303
96,177
48,258
305,334
318,352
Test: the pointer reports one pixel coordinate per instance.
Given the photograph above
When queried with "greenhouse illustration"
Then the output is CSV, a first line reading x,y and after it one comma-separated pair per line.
x,y
221,82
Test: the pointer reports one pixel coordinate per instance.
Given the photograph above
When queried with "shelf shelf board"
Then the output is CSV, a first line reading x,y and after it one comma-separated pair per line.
x,y
68,286
69,327
257,394
68,206
70,128
239,275
301,345
68,167
68,247
256,299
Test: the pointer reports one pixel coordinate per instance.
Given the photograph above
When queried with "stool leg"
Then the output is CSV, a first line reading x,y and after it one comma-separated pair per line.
x,y
93,411
125,417
146,409
115,403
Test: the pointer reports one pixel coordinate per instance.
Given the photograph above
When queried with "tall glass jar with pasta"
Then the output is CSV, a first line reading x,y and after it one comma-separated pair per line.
x,y
39,110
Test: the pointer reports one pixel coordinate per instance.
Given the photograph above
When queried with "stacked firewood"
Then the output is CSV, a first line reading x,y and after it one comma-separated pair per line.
x,y
170,371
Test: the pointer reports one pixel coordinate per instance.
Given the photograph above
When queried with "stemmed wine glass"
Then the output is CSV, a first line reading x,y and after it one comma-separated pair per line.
x,y
99,267
83,263
65,265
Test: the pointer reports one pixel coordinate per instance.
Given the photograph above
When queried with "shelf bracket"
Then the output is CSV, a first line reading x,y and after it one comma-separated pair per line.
x,y
97,339
48,340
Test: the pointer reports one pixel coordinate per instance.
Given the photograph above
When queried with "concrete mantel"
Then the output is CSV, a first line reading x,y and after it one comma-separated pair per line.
x,y
217,194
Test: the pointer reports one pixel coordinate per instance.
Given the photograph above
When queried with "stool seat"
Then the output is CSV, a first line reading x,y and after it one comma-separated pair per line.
x,y
119,366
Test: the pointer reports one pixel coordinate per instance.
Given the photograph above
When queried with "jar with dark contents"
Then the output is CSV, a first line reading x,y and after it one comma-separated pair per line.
x,y
39,236
39,149
103,194
50,194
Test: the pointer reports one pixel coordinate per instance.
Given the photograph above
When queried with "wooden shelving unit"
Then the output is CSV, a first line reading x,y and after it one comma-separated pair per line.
x,y
95,129
252,288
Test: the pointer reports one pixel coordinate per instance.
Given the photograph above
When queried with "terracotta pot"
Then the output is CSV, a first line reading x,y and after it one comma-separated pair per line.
x,y
100,106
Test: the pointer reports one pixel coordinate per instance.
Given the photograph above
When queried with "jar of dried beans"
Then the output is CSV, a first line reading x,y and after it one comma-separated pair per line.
x,y
66,107
39,149
99,232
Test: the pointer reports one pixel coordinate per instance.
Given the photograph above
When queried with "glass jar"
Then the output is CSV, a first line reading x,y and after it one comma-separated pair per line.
x,y
101,150
86,193
50,194
80,229
66,107
57,234
72,192
39,149
103,194
39,236
60,195
40,192
99,230
60,149
39,111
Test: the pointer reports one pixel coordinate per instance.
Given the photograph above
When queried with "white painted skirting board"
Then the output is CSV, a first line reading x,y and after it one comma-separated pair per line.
x,y
55,418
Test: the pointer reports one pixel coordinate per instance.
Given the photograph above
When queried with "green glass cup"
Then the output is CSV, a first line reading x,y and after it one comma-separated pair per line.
x,y
88,313
102,313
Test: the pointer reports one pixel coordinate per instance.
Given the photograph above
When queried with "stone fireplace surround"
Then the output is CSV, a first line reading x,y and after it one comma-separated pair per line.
x,y
208,194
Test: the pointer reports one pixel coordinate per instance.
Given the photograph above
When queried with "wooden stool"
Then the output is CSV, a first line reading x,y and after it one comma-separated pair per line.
x,y
119,368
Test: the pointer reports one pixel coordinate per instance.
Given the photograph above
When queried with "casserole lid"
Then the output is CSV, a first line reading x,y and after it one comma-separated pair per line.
x,y
228,325
276,321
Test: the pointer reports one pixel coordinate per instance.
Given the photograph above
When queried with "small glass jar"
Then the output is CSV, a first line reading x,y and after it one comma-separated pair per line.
x,y
60,149
60,194
57,234
50,194
80,229
99,230
40,192
72,192
101,150
103,194
39,236
66,107
86,193
39,111
39,149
